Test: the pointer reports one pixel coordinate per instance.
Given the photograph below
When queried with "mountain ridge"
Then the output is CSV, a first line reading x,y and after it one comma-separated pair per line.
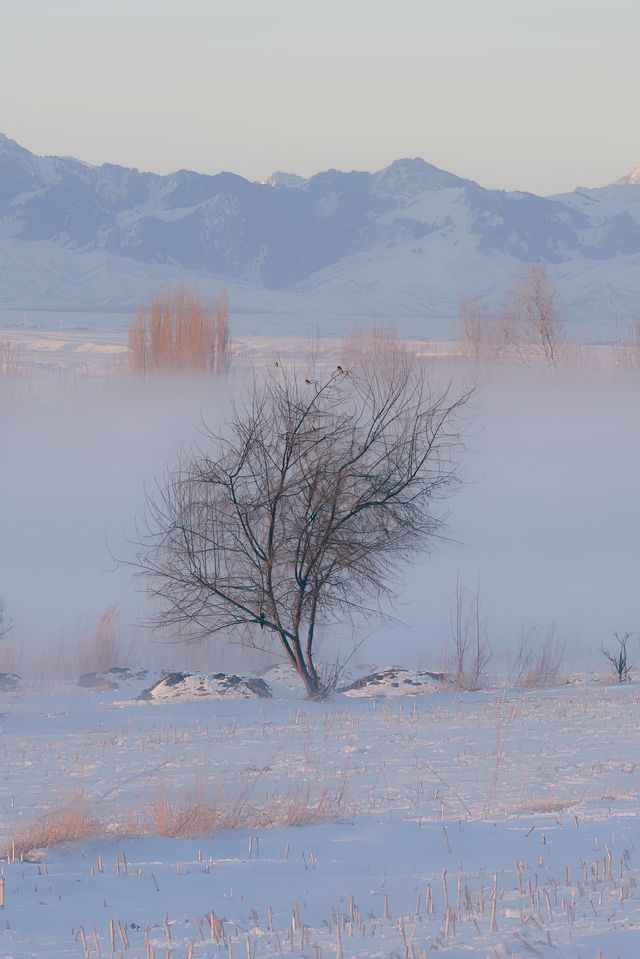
x,y
408,238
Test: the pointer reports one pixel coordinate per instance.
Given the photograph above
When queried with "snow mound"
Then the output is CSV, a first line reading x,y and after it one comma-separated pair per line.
x,y
286,684
9,682
283,679
184,686
394,681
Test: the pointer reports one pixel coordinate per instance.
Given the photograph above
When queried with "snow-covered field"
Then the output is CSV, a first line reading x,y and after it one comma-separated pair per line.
x,y
394,820
500,823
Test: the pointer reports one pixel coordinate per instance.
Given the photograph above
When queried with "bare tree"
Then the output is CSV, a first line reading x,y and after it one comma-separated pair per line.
x,y
530,321
6,625
470,651
619,660
478,331
301,511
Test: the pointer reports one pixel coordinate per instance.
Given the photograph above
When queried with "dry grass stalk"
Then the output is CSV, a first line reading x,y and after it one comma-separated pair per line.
x,y
178,333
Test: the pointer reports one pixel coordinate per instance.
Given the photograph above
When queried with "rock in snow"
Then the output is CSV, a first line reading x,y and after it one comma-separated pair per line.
x,y
112,678
9,682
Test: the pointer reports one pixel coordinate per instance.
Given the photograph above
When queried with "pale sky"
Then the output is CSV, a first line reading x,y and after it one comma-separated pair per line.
x,y
539,95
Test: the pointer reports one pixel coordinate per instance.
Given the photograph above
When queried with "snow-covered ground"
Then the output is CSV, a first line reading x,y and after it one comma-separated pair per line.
x,y
491,824
394,820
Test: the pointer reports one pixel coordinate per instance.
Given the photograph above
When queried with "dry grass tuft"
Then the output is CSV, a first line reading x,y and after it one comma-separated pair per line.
x,y
196,814
68,823
544,804
539,659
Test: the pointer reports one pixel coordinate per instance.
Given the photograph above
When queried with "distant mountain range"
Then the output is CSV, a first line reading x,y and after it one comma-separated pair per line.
x,y
406,242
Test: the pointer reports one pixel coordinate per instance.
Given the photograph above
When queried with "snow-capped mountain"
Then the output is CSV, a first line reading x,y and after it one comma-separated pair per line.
x,y
632,178
409,240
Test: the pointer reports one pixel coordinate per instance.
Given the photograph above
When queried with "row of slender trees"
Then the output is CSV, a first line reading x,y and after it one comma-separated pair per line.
x,y
180,333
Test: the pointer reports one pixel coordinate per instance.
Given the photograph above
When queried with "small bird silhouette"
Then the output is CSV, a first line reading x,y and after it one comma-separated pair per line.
x,y
308,382
277,364
339,368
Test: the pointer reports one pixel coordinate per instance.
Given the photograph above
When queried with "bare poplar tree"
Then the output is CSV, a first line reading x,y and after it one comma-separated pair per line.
x,y
298,514
478,332
179,333
530,320
470,650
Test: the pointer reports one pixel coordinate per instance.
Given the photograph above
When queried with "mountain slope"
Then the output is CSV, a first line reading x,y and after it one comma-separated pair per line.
x,y
408,240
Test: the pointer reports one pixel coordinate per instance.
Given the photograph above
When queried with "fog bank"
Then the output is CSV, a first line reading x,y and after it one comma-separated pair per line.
x,y
547,520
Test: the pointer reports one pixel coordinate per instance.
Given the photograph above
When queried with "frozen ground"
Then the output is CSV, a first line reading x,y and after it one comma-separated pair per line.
x,y
494,824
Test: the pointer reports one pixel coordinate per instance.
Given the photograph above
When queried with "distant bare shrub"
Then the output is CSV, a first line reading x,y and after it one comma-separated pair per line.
x,y
104,647
376,346
619,660
6,625
9,362
479,339
178,333
538,659
470,652
11,657
627,350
